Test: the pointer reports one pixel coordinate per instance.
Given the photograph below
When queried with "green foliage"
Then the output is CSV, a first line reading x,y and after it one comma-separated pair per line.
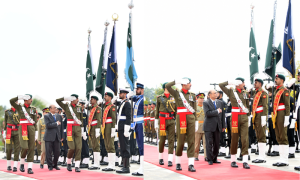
x,y
152,93
39,104
2,112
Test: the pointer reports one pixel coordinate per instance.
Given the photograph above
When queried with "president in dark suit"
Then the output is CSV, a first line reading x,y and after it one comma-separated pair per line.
x,y
214,124
53,137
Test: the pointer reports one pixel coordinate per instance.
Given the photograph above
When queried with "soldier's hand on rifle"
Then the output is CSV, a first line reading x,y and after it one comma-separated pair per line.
x,y
130,94
270,85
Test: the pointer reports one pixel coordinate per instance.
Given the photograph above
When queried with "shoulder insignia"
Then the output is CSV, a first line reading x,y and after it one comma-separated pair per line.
x,y
231,88
287,94
264,96
98,111
67,103
113,109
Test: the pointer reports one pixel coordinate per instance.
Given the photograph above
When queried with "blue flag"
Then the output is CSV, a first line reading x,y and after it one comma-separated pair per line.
x,y
112,66
289,44
130,73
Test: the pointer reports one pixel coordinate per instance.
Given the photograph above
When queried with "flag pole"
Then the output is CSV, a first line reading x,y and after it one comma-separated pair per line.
x,y
88,98
251,93
130,6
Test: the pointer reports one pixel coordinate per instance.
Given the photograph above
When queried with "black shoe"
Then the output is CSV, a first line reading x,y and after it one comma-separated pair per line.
x,y
93,168
233,164
92,161
246,166
282,164
161,162
50,168
191,168
257,153
196,159
73,164
116,163
259,161
275,164
205,159
108,169
170,163
221,154
201,151
41,166
15,169
291,155
29,171
239,158
210,163
217,162
64,164
274,153
136,174
123,170
297,151
228,157
59,163
22,168
77,169
178,167
57,168
166,145
120,165
253,150
69,167
104,163
4,157
297,168
84,166
9,168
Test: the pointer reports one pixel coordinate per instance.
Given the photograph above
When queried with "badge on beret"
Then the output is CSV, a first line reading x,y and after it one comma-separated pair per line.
x,y
264,96
113,109
286,94
98,111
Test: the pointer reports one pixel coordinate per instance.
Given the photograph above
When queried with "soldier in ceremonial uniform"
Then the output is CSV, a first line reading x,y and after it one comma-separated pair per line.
x,y
280,117
185,120
164,117
147,123
85,157
11,136
74,129
199,134
109,130
152,119
240,119
28,130
94,125
259,119
41,132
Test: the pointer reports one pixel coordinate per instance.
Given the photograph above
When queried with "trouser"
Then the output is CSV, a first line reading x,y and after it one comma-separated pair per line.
x,y
148,129
85,149
139,137
66,147
132,145
124,145
251,135
242,133
170,132
75,145
14,144
198,138
103,151
153,132
27,145
190,133
228,131
291,134
117,149
108,140
259,130
272,140
95,141
222,139
280,130
38,148
52,147
43,154
212,144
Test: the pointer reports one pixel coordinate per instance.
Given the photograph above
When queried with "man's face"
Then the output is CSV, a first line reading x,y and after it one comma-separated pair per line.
x,y
28,101
152,106
139,91
149,106
75,101
187,86
200,100
107,98
257,85
298,77
145,107
38,116
122,95
53,109
270,94
93,101
278,81
213,94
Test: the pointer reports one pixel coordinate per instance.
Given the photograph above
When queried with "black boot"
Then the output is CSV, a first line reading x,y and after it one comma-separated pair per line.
x,y
125,168
15,169
178,167
29,171
9,168
233,164
246,166
77,169
191,168
69,167
161,162
170,163
22,168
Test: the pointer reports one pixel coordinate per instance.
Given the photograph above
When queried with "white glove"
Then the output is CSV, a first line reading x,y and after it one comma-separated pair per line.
x,y
156,123
249,87
235,82
116,127
291,82
295,114
292,126
269,85
196,125
4,135
70,98
126,130
97,130
23,97
286,121
130,94
113,130
114,99
263,121
78,122
182,81
36,135
249,121
83,134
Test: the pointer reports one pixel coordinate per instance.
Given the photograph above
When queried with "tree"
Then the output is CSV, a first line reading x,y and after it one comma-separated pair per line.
x,y
2,112
39,104
152,93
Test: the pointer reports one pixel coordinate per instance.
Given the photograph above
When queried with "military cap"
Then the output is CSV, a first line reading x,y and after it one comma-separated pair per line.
x,y
95,97
187,79
139,85
149,104
41,115
46,110
239,78
164,85
75,95
154,103
29,95
145,104
109,94
122,90
259,80
200,95
60,109
281,76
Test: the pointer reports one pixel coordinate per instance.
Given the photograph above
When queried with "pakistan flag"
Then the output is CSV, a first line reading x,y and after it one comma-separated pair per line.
x,y
89,71
253,57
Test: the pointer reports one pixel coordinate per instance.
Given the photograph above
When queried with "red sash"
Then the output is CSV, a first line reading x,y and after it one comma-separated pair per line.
x,y
255,103
104,118
235,112
276,104
69,129
162,123
182,112
24,128
8,132
91,118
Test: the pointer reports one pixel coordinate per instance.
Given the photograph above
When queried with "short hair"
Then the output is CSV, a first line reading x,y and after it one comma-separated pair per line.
x,y
220,92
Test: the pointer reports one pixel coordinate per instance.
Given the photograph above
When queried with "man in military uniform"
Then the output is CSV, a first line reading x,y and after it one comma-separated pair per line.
x,y
147,123
11,136
164,117
222,151
74,129
228,126
28,130
185,120
41,132
152,119
85,157
109,130
280,117
94,125
199,134
259,119
240,119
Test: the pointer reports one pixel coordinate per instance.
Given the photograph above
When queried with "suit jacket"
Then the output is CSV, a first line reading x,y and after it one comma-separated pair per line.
x,y
52,129
212,117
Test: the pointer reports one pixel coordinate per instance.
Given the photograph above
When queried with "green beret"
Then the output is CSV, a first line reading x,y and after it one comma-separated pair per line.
x,y
259,80
40,114
154,103
164,85
109,94
29,95
281,76
239,78
95,97
188,79
145,104
149,104
75,95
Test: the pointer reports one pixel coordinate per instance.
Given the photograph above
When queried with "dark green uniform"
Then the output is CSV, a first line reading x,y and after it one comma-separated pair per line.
x,y
152,128
108,140
148,123
92,133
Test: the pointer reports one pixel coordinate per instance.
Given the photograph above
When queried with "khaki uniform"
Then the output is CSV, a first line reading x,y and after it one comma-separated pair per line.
x,y
12,118
199,134
75,145
242,120
26,145
41,133
169,122
190,121
148,124
95,142
280,130
108,140
152,129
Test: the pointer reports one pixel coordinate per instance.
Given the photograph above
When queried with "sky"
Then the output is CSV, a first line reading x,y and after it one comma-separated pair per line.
x,y
208,41
43,45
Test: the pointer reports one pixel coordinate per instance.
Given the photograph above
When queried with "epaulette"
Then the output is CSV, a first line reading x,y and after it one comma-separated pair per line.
x,y
67,103
231,88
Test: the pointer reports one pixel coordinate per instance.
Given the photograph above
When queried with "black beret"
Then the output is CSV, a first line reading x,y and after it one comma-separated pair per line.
x,y
281,76
259,80
109,94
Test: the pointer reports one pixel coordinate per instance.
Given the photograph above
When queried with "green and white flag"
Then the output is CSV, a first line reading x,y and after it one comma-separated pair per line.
x,y
89,76
253,56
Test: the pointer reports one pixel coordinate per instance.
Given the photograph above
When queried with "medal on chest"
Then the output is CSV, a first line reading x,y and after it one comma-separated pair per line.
x,y
191,98
78,109
31,111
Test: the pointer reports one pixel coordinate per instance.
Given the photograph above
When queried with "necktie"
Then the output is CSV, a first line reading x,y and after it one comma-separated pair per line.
x,y
54,118
215,104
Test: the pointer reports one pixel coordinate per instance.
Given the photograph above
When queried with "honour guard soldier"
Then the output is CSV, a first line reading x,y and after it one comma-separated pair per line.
x,y
85,158
74,129
185,120
11,136
280,117
109,130
94,124
152,119
41,132
138,119
199,134
259,119
147,123
228,126
123,125
165,116
27,131
240,119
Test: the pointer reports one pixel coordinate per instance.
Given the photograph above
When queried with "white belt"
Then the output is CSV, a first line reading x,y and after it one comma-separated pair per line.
x,y
182,110
152,119
259,109
227,114
65,130
139,119
122,117
108,121
236,110
281,107
70,122
25,122
94,122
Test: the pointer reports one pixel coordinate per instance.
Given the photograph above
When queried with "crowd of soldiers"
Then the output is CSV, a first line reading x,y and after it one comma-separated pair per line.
x,y
103,130
251,117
